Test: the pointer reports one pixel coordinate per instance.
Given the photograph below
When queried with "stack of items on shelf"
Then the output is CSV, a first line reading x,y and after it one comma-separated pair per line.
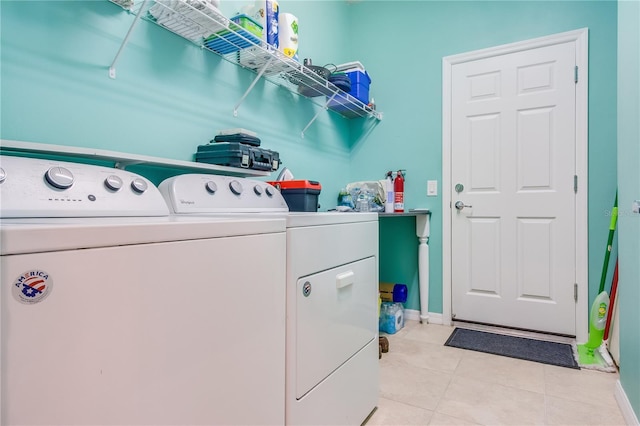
x,y
279,37
257,34
351,79
391,312
238,148
364,196
192,19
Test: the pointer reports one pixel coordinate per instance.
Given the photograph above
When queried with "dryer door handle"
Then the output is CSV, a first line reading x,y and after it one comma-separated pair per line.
x,y
345,279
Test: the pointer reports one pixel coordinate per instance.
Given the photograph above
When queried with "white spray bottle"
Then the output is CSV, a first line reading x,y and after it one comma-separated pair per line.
x,y
388,205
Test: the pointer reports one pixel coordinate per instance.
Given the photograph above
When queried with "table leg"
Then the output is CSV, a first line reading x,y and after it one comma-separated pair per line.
x,y
422,232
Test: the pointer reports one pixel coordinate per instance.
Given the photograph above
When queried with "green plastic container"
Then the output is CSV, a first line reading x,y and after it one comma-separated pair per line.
x,y
248,24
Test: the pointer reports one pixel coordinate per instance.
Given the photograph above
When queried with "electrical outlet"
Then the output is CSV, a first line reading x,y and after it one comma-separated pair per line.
x,y
432,188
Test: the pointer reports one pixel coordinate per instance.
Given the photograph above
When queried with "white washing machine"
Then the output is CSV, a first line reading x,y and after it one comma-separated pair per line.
x,y
141,319
332,295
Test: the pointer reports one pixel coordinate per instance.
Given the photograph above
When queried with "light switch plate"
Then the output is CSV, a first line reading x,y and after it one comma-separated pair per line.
x,y
432,188
635,207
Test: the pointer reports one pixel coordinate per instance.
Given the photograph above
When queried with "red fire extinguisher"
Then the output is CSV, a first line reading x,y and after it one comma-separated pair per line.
x,y
398,189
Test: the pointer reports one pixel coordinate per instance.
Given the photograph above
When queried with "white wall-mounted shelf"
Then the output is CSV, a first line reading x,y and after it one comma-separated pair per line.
x,y
197,20
122,160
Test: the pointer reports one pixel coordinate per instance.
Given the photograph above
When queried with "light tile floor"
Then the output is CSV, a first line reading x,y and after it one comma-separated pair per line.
x,y
423,382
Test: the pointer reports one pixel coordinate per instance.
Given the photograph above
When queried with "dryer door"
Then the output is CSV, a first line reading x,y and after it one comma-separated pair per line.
x,y
336,317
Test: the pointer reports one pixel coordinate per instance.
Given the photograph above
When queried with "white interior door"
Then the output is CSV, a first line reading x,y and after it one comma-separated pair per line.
x,y
513,162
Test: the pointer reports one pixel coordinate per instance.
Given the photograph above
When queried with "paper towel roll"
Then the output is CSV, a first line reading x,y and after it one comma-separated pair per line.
x,y
288,37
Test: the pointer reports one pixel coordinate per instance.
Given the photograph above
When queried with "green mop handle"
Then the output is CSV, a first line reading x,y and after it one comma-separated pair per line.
x,y
612,228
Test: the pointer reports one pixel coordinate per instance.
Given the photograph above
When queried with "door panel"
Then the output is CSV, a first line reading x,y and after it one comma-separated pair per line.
x,y
485,152
484,243
513,150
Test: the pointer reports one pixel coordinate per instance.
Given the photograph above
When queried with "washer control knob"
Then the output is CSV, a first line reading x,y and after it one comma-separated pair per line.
x,y
3,175
59,177
235,187
113,183
211,187
138,185
270,190
258,190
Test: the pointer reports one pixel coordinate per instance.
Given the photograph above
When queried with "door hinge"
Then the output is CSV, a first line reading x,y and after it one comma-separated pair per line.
x,y
575,292
575,74
575,183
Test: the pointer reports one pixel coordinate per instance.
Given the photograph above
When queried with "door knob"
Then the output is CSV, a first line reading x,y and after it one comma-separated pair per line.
x,y
460,205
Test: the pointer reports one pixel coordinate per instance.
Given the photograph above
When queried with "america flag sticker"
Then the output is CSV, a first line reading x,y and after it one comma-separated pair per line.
x,y
32,286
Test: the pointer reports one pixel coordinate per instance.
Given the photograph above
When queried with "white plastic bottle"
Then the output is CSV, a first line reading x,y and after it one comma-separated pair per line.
x,y
388,205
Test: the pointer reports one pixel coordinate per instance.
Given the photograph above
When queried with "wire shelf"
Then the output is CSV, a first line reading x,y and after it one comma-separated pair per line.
x,y
200,22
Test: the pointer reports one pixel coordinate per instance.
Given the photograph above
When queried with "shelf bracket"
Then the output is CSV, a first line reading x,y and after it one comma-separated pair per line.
x,y
250,88
326,106
112,68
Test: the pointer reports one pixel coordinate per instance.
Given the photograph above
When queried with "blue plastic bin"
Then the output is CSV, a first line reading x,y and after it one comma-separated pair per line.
x,y
360,82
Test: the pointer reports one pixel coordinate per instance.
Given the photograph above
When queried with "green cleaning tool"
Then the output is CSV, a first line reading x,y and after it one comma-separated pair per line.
x,y
598,320
587,354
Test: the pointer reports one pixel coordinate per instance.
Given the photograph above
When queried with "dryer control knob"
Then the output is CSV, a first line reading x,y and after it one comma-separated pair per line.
x,y
113,183
270,190
138,185
235,187
59,177
258,190
3,175
211,187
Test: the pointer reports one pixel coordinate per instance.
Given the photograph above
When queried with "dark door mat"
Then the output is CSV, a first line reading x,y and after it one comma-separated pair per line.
x,y
560,354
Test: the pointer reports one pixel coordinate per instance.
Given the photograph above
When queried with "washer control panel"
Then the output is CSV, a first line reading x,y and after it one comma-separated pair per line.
x,y
32,187
202,193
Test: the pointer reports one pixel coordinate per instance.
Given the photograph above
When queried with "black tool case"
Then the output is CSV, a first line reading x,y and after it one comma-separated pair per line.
x,y
235,154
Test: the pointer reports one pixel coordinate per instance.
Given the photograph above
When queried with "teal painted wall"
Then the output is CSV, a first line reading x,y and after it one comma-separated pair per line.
x,y
404,57
629,187
169,95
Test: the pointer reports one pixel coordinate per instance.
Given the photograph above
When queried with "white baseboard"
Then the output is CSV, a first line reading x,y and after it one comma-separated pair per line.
x,y
414,314
626,409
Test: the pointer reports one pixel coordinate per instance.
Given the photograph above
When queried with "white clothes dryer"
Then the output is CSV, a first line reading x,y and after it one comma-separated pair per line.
x,y
115,312
332,295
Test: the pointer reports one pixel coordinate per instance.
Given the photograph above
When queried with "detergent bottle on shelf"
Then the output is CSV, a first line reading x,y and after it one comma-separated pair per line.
x,y
388,205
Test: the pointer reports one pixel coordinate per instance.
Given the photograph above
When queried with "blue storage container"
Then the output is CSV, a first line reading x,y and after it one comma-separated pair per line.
x,y
360,82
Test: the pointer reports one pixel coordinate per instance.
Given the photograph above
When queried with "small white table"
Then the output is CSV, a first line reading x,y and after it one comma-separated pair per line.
x,y
423,217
